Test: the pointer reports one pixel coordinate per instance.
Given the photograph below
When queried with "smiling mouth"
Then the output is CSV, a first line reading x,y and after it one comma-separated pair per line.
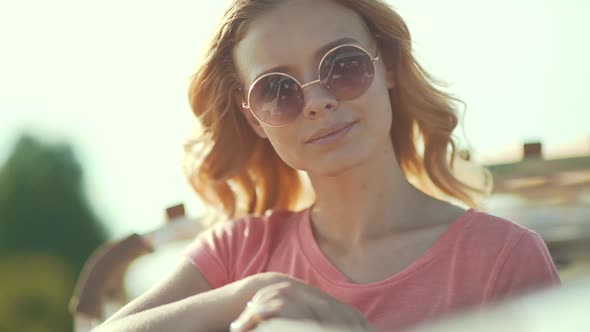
x,y
333,135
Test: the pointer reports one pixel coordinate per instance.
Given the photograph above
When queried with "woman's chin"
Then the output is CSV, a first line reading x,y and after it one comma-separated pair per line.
x,y
337,163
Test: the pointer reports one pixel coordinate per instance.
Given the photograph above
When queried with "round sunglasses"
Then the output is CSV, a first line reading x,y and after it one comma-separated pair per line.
x,y
345,72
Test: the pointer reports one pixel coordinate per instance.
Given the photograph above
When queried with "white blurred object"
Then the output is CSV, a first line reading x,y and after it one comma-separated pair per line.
x,y
110,276
557,310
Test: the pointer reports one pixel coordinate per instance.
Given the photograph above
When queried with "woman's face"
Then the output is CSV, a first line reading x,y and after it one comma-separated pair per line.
x,y
289,37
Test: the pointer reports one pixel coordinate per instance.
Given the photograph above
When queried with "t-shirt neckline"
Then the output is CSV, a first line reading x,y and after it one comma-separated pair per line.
x,y
332,274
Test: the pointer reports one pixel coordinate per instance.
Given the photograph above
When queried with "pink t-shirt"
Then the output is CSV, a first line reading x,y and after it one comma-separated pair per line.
x,y
480,258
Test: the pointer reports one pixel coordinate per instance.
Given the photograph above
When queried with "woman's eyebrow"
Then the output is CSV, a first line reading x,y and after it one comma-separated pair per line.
x,y
324,49
318,54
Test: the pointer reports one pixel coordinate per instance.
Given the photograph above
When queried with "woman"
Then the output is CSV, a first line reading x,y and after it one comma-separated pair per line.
x,y
330,88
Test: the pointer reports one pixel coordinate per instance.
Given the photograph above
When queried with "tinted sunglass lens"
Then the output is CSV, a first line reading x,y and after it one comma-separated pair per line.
x,y
276,99
347,72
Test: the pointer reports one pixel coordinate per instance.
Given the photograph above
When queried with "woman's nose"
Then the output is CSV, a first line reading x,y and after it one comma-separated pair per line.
x,y
317,103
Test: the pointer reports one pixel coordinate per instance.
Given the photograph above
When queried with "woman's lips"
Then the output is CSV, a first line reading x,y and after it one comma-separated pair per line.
x,y
332,136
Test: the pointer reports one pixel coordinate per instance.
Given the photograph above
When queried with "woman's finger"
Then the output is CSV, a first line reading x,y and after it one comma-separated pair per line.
x,y
261,307
273,287
254,314
268,292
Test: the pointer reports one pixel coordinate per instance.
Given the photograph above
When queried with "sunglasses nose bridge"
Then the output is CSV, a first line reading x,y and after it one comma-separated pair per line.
x,y
310,83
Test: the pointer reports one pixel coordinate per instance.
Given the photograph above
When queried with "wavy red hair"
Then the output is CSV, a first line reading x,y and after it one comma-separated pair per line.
x,y
231,168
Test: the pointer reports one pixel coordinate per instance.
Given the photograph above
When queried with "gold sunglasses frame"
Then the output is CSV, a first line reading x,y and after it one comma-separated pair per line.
x,y
246,105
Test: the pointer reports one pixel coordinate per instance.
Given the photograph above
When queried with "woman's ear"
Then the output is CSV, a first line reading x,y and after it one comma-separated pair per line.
x,y
390,79
384,48
252,121
245,110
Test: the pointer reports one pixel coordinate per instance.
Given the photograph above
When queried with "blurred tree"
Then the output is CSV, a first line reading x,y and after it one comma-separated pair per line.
x,y
44,217
35,291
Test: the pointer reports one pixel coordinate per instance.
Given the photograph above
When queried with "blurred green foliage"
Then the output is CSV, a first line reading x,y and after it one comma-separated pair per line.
x,y
47,231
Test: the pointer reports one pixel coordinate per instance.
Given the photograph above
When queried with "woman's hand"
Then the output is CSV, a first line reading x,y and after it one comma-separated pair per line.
x,y
290,298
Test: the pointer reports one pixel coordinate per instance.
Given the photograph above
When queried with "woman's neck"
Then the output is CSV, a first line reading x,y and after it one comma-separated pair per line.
x,y
366,202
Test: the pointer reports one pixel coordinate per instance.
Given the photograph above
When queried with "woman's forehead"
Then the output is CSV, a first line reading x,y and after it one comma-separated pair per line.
x,y
293,33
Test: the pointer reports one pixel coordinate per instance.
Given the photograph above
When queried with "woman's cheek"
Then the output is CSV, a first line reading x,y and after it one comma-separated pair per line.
x,y
288,150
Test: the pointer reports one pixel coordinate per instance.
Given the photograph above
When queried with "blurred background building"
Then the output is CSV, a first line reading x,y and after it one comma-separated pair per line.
x,y
552,197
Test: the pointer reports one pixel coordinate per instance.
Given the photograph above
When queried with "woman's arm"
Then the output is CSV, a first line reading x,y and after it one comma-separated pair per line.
x,y
183,302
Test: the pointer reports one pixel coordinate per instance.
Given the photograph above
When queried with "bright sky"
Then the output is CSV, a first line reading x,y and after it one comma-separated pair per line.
x,y
111,77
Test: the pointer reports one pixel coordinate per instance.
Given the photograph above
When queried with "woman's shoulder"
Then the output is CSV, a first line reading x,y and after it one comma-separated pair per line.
x,y
227,251
481,236
253,227
509,257
487,228
521,259
273,218
510,245
507,234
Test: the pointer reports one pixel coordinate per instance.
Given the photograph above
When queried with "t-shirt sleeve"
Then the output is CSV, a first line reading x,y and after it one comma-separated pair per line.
x,y
528,266
213,252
